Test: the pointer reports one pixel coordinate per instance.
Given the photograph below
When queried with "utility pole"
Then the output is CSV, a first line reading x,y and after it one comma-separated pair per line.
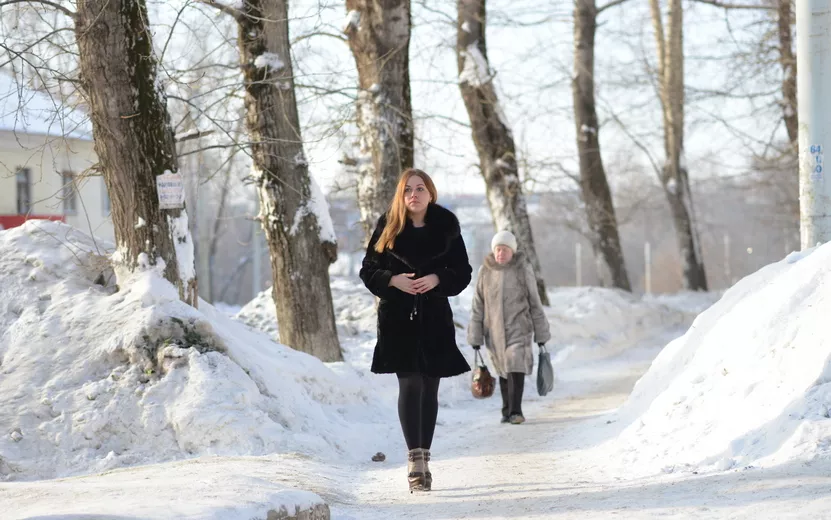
x,y
728,275
813,41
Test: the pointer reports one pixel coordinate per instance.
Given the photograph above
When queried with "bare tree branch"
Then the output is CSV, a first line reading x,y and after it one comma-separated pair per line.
x,y
194,135
59,7
227,9
611,4
725,5
29,47
319,33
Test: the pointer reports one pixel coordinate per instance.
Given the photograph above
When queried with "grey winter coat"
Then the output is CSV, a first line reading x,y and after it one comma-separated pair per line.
x,y
506,312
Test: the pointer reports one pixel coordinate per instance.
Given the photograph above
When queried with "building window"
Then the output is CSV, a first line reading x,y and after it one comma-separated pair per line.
x,y
68,193
24,191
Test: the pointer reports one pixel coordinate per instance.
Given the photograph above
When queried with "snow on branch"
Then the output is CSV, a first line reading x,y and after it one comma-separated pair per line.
x,y
353,21
475,71
269,60
316,205
228,9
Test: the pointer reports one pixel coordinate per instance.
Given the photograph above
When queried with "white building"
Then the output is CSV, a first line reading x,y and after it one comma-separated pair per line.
x,y
46,151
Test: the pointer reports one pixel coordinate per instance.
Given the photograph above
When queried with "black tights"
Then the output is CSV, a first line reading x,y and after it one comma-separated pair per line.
x,y
418,407
511,389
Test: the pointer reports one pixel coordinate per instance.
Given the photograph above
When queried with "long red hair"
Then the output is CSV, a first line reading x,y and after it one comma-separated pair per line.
x,y
397,214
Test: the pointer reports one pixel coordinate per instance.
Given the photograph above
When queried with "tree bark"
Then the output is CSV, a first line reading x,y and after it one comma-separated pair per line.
x,y
294,216
133,139
597,197
379,37
674,177
491,134
787,61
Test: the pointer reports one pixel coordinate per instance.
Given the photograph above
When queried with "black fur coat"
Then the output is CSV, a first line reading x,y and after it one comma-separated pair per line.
x,y
416,333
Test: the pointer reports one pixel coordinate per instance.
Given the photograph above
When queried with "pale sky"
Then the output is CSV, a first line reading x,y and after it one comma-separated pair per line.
x,y
533,66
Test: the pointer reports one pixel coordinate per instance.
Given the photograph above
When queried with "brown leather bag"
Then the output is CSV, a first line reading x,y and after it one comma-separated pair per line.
x,y
482,384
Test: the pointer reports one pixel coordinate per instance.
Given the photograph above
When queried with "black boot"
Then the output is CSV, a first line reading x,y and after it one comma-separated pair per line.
x,y
506,408
516,386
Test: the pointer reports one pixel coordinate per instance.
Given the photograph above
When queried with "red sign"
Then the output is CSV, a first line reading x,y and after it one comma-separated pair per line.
x,y
10,221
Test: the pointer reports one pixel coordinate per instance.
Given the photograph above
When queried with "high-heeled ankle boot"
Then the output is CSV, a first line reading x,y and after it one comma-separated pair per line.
x,y
428,477
415,470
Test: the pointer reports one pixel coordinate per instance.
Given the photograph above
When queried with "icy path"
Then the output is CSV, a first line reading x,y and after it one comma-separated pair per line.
x,y
551,467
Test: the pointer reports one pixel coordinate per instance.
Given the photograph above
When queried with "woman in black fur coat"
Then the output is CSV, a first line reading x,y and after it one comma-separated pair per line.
x,y
415,260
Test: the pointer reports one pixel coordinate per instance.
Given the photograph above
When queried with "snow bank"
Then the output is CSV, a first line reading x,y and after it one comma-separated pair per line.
x,y
598,323
260,314
748,384
92,379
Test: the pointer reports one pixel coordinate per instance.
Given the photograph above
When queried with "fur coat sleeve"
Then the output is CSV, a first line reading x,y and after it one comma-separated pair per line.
x,y
454,275
541,327
373,272
476,327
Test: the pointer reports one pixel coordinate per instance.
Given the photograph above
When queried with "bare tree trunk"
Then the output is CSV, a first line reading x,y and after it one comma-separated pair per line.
x,y
379,36
491,133
787,60
674,177
597,197
294,217
133,138
213,245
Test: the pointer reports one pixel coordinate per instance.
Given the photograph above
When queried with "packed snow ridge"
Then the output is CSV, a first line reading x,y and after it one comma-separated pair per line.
x,y
748,385
93,379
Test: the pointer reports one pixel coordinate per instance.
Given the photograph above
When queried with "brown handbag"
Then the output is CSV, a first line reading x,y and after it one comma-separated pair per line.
x,y
482,384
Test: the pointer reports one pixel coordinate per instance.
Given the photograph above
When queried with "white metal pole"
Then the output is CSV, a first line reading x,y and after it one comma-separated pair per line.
x,y
647,265
813,51
728,275
578,254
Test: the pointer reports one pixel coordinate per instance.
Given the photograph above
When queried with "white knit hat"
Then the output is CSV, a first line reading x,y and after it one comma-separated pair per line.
x,y
504,238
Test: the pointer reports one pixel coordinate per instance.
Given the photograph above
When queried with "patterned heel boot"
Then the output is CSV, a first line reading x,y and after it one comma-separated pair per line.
x,y
415,470
428,477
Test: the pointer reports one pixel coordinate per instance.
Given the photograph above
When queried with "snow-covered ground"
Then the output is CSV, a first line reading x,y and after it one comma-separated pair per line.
x,y
130,404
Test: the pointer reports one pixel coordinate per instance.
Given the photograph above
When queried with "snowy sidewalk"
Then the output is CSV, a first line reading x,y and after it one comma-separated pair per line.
x,y
551,467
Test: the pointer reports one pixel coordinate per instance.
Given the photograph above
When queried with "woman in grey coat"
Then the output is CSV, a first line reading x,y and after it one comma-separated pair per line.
x,y
507,314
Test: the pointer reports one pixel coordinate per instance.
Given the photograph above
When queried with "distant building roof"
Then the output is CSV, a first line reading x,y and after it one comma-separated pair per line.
x,y
30,111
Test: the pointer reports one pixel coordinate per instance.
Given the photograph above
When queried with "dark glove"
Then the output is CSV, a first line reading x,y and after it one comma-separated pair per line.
x,y
476,347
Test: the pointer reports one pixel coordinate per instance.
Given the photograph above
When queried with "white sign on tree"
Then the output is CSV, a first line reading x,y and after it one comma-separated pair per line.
x,y
171,188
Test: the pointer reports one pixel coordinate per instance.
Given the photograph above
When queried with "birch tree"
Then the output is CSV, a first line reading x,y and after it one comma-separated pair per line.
x,y
293,210
673,175
594,187
133,138
491,134
787,61
379,37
